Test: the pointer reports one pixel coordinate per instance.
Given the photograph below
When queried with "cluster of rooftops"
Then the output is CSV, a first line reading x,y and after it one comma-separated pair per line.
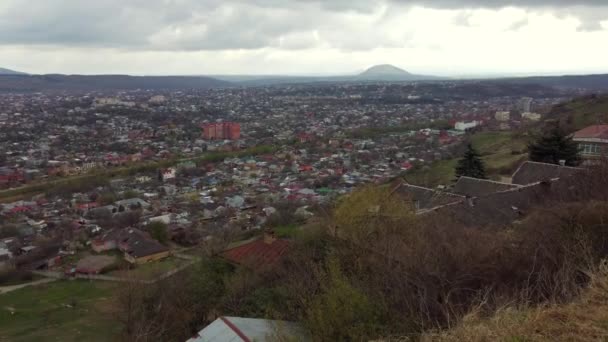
x,y
477,202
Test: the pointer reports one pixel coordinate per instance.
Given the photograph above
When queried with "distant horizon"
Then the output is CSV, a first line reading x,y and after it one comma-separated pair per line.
x,y
487,75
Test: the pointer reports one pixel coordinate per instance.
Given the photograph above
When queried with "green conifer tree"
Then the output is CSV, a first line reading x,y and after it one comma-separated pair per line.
x,y
553,146
471,165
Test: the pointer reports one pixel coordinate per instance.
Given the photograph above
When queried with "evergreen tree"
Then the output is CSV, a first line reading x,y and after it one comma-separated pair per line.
x,y
158,231
471,165
554,145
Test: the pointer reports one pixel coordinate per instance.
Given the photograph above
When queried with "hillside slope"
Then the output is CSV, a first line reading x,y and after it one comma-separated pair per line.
x,y
4,71
387,72
581,112
583,320
384,69
502,152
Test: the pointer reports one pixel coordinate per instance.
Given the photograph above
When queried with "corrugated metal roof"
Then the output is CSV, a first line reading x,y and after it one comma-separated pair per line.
x,y
238,329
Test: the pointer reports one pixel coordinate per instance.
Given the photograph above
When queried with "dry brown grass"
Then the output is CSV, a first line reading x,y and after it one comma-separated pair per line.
x,y
585,319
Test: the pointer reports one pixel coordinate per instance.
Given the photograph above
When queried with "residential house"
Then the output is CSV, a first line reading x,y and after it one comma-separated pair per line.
x,y
424,198
464,126
250,329
5,257
166,219
143,179
235,201
530,172
592,142
106,209
131,204
168,174
474,187
106,242
142,250
531,116
534,184
138,247
258,253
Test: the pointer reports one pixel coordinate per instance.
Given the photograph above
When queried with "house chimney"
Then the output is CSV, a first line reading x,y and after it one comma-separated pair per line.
x,y
562,162
269,237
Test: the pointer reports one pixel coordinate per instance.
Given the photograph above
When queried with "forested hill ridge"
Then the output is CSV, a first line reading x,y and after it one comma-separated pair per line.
x,y
33,83
596,82
21,82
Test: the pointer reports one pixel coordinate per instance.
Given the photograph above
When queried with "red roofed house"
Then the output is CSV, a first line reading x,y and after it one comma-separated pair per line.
x,y
406,166
305,168
85,207
592,142
304,137
9,176
20,209
258,253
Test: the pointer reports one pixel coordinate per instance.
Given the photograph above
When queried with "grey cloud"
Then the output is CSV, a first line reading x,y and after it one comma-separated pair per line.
x,y
503,3
178,24
235,24
590,12
157,24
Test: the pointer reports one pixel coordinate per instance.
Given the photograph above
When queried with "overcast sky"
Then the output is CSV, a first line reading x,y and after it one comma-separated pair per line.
x,y
441,37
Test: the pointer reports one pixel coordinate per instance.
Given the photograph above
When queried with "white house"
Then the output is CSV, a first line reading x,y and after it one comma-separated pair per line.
x,y
531,116
168,174
463,126
166,219
5,257
143,179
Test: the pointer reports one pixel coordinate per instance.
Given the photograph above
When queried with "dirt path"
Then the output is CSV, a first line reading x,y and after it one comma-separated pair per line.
x,y
7,289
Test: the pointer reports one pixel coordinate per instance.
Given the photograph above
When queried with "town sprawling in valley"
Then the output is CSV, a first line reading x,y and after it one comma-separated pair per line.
x,y
135,186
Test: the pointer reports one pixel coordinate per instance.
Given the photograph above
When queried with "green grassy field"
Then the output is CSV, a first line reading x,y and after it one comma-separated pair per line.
x,y
39,313
440,172
502,152
288,231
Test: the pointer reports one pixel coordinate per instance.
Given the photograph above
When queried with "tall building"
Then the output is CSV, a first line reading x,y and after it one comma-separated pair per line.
x,y
222,131
526,104
503,116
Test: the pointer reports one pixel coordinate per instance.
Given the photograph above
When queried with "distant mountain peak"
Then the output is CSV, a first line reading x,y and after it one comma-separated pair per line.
x,y
385,70
4,71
